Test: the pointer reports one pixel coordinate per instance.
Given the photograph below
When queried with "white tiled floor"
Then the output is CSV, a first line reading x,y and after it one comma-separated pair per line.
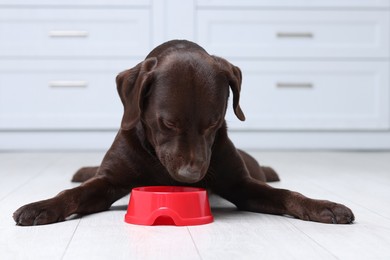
x,y
359,180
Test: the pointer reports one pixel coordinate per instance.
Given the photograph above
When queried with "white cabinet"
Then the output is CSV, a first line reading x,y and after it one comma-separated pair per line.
x,y
74,33
294,34
315,72
66,95
307,65
313,95
291,3
59,60
78,3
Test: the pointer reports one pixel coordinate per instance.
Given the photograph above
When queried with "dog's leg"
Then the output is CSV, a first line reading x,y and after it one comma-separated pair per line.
x,y
84,174
252,195
235,184
113,180
261,173
95,195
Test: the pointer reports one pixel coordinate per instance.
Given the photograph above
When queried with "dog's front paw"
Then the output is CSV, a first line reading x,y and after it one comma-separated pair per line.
x,y
39,213
327,212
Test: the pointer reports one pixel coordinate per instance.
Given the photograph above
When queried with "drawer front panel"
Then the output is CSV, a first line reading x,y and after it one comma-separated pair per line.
x,y
66,95
74,32
314,96
77,2
298,34
293,3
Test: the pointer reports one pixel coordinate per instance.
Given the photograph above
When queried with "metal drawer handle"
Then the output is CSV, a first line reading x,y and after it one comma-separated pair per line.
x,y
295,35
68,84
294,85
68,33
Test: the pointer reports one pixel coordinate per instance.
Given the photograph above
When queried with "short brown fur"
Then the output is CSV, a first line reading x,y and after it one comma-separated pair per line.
x,y
173,132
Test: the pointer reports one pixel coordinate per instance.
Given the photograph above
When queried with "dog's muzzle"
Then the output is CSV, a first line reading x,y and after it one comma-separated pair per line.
x,y
189,174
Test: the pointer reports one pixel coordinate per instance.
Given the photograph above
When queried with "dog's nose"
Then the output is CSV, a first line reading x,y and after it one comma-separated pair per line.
x,y
189,174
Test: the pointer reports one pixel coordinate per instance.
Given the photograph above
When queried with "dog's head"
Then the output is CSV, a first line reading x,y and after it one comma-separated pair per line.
x,y
180,100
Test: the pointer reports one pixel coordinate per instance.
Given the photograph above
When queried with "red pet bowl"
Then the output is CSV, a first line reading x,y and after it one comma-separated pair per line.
x,y
168,205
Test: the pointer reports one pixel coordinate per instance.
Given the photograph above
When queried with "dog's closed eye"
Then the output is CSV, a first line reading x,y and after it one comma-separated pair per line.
x,y
168,125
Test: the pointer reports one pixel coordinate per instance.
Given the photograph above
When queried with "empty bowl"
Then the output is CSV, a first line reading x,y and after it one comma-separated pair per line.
x,y
168,205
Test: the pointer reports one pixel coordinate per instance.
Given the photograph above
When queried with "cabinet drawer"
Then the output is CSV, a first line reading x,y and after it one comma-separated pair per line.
x,y
74,32
60,95
78,3
293,3
298,34
314,96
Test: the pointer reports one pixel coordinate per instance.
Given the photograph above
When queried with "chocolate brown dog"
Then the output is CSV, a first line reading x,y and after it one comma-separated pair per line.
x,y
173,132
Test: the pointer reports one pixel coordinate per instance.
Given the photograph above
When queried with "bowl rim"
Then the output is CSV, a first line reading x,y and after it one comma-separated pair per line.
x,y
168,189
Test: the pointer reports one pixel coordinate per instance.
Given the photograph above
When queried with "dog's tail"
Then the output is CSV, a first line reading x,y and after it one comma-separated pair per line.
x,y
270,174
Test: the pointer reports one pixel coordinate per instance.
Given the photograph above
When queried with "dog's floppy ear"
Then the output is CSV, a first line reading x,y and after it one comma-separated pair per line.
x,y
234,77
132,86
